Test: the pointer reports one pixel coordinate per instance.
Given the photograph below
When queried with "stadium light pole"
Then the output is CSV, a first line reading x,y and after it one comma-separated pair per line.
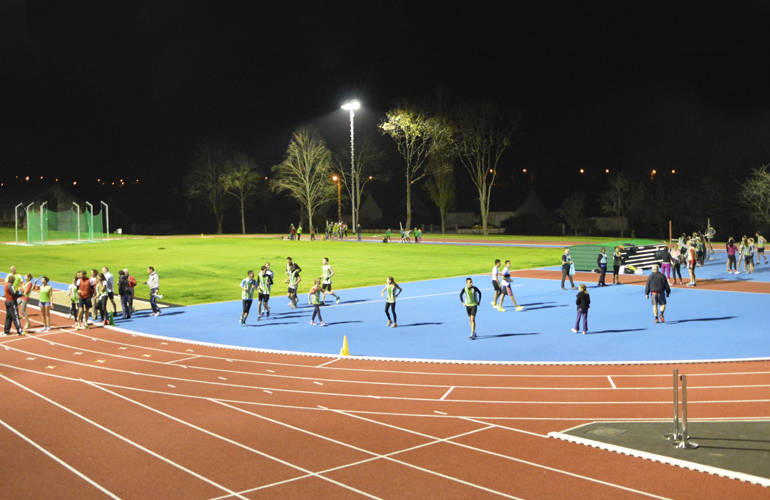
x,y
336,178
107,213
78,215
91,226
16,221
352,106
42,219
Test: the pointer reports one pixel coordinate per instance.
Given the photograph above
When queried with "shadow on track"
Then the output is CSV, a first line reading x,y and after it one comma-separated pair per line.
x,y
596,332
677,321
420,324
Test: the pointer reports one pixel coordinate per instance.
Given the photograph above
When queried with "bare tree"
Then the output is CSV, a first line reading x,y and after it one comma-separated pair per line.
x,y
305,173
415,134
483,133
616,198
368,160
573,211
240,181
204,181
755,194
440,185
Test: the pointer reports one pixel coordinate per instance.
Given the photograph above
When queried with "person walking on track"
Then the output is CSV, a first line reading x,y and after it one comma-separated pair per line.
x,y
470,296
567,268
314,297
657,286
507,290
496,284
583,302
264,283
390,292
248,285
760,248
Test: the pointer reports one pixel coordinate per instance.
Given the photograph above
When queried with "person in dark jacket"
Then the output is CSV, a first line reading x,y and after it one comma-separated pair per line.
x,y
566,268
11,296
583,302
657,286
124,291
601,261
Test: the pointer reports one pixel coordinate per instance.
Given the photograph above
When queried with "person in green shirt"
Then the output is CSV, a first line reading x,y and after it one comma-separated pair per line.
x,y
314,297
299,232
46,293
293,280
760,248
248,285
390,292
264,282
387,235
470,296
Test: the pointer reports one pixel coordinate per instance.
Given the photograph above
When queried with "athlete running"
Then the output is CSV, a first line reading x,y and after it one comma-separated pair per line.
x,y
326,285
248,285
264,282
293,280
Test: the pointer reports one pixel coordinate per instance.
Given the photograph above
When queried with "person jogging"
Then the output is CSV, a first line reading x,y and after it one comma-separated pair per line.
x,y
11,313
153,282
293,280
391,292
657,286
566,268
248,285
326,284
507,290
496,284
264,283
314,297
46,293
601,261
760,248
583,302
470,296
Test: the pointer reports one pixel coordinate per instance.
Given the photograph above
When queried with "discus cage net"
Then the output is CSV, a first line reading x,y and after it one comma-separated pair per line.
x,y
44,226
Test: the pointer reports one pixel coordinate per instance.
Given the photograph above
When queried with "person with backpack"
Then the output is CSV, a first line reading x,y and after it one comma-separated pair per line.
x,y
124,291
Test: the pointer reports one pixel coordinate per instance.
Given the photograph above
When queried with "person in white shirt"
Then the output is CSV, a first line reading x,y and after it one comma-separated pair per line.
x,y
110,287
154,284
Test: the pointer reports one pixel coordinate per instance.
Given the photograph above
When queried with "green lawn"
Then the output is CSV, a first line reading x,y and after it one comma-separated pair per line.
x,y
196,270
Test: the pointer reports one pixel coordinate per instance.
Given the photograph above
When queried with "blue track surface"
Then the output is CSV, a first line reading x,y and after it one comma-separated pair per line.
x,y
700,324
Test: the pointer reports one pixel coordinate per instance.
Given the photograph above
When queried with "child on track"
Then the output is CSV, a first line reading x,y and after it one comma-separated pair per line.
x,y
470,296
293,280
583,302
264,282
46,293
507,288
314,297
247,295
390,292
326,273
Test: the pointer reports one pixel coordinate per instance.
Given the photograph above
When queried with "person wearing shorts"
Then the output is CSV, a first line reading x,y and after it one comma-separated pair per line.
x,y
248,285
692,261
26,291
110,279
760,248
293,280
85,294
326,280
507,291
46,291
657,287
391,292
264,283
496,284
470,296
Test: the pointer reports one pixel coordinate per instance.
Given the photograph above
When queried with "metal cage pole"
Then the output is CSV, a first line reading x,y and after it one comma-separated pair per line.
x,y
78,216
16,221
685,442
26,210
675,436
42,221
91,220
107,214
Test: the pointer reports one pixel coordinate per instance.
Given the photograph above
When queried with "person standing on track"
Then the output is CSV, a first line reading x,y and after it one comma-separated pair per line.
x,y
496,284
676,260
101,298
692,261
657,286
601,261
293,280
153,282
264,282
665,265
391,292
326,274
11,295
760,248
125,294
131,286
110,279
248,285
85,293
26,291
45,297
566,268
470,296
507,290
617,261
314,297
583,302
732,265
72,293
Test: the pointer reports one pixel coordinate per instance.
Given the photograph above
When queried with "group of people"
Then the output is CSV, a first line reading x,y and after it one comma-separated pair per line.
x,y
741,256
88,290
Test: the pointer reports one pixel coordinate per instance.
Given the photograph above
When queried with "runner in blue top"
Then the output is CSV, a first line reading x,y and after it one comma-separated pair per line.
x,y
248,285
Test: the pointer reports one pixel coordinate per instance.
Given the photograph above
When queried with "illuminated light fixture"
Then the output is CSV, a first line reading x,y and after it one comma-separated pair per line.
x,y
606,170
74,183
654,172
26,178
57,179
582,171
98,179
370,177
352,105
673,171
266,177
335,178
41,177
523,170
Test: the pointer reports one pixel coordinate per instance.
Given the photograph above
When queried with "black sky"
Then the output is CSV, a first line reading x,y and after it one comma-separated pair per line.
x,y
133,86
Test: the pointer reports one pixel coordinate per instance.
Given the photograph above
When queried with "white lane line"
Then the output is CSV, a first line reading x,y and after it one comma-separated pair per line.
x,y
61,462
123,438
182,359
499,426
378,455
758,418
328,362
611,382
446,393
508,457
227,440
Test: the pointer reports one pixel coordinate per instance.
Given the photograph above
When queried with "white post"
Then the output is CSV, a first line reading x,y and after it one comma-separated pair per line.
x,y
42,221
91,227
16,221
78,216
26,210
353,228
107,213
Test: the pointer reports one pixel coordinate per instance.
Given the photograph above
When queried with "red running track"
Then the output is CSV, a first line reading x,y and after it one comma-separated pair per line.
x,y
104,413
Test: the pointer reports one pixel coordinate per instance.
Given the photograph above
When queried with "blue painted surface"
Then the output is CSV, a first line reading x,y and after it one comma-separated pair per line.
x,y
700,324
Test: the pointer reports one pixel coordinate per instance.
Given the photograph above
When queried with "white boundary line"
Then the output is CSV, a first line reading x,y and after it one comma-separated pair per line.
x,y
228,440
61,462
326,363
611,382
717,471
123,438
173,361
447,393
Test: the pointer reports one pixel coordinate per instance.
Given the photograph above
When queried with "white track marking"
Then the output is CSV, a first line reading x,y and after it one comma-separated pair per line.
x,y
611,382
506,427
328,362
759,418
401,384
378,455
61,462
179,360
228,440
447,393
123,438
514,459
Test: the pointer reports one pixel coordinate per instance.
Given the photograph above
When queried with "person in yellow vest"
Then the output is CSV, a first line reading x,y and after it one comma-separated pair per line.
x,y
470,296
390,292
314,297
46,296
326,275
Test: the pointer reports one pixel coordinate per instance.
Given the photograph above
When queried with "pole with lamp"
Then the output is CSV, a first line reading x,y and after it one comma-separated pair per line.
x,y
352,106
336,178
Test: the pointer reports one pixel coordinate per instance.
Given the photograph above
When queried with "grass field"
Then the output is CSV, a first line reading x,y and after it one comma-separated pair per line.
x,y
195,270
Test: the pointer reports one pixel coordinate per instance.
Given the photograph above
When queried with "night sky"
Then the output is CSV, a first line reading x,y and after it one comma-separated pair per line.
x,y
108,88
